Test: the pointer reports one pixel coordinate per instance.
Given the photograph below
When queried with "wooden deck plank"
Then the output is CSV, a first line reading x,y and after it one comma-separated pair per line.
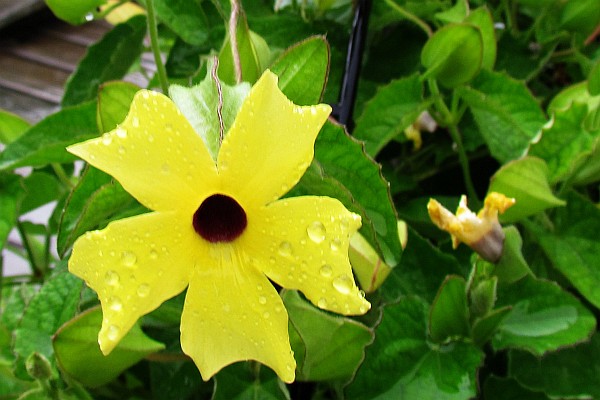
x,y
47,51
32,109
13,10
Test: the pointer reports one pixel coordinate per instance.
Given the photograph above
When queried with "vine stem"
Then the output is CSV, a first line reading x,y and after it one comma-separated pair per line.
x,y
235,51
450,120
153,32
411,17
62,175
27,246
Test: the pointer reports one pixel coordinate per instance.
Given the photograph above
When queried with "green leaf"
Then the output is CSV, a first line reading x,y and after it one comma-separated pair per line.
x,y
594,80
570,373
326,346
482,18
52,306
11,127
78,353
543,318
526,180
114,100
200,106
573,246
240,382
449,314
453,54
401,364
566,140
183,377
45,142
496,388
394,108
185,18
421,271
96,199
508,116
454,14
357,182
106,60
74,12
485,327
10,194
307,61
39,188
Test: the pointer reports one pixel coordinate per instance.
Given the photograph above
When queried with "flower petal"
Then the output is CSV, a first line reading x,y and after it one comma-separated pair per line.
x,y
233,313
270,144
134,265
155,154
302,243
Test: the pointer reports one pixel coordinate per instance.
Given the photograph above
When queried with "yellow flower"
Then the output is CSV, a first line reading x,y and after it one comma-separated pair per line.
x,y
219,229
482,231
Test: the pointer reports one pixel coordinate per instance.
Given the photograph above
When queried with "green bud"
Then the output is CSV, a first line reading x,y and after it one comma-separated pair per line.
x,y
38,367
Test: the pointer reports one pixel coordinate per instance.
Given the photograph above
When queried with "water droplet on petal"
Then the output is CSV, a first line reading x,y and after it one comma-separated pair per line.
x,y
326,271
316,231
343,284
322,303
106,139
285,249
112,278
122,133
165,169
266,315
262,300
114,303
113,332
335,244
143,290
153,254
135,122
128,259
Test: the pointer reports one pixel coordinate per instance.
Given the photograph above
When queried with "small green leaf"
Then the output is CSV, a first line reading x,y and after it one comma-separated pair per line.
x,y
185,18
401,364
454,14
485,327
96,199
453,54
78,353
45,142
114,100
571,373
580,16
449,314
573,246
11,193
11,127
307,61
39,188
311,328
543,318
421,271
594,80
200,103
482,18
74,12
357,180
106,60
508,116
240,382
566,140
52,306
526,180
394,107
482,297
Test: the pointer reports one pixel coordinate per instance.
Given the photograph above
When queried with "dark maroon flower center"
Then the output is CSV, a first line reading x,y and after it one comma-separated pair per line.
x,y
220,219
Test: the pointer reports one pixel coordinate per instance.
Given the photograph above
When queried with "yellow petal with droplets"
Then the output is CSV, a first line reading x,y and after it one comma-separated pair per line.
x,y
155,154
302,243
270,144
232,313
134,265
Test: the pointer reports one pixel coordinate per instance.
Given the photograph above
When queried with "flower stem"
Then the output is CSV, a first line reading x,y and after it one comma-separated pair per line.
x,y
235,51
153,32
37,270
62,175
411,17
